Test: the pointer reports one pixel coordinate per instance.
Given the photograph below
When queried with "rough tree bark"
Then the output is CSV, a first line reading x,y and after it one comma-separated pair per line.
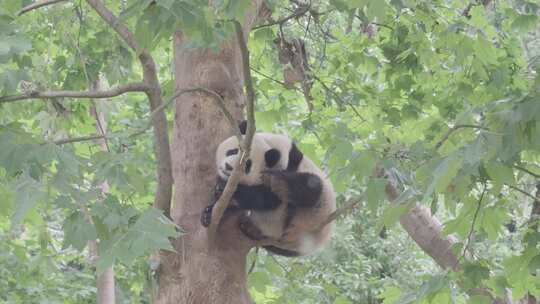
x,y
202,272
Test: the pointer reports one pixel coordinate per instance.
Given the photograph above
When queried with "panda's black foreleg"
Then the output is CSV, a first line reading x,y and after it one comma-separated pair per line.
x,y
302,189
206,215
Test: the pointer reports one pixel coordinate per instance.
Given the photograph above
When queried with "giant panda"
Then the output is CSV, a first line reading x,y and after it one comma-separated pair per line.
x,y
284,197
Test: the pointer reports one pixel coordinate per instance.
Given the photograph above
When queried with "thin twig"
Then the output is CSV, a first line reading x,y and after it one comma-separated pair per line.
x,y
527,171
300,11
36,5
271,78
245,145
339,212
254,261
327,89
78,139
113,92
455,128
522,192
475,216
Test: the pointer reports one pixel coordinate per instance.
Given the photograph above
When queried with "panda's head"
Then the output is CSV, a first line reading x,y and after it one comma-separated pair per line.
x,y
262,157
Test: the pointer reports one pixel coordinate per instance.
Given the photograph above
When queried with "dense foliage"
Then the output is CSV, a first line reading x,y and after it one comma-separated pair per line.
x,y
446,94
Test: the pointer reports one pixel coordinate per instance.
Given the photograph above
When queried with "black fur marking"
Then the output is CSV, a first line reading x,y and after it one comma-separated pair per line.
x,y
282,252
206,216
228,167
243,127
257,197
271,157
248,166
295,157
231,152
304,189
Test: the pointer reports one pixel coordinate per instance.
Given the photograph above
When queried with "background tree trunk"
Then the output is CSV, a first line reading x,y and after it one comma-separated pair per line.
x,y
104,281
203,272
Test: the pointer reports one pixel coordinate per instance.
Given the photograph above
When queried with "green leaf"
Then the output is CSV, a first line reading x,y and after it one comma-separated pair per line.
x,y
28,194
442,176
11,45
259,281
500,174
480,299
343,150
392,213
236,9
375,193
342,300
493,220
485,51
78,231
524,23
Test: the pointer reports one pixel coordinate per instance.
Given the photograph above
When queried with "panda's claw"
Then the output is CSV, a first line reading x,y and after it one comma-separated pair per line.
x,y
206,216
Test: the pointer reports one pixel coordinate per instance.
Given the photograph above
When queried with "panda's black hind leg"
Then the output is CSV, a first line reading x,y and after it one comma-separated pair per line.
x,y
301,188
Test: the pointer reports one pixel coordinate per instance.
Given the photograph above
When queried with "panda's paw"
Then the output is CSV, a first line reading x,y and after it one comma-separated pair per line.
x,y
206,215
249,229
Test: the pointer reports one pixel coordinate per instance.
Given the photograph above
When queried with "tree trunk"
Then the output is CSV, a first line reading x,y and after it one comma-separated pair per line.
x,y
104,281
426,230
201,272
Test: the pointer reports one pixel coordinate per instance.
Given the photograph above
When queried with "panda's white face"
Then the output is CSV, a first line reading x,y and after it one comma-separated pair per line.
x,y
262,157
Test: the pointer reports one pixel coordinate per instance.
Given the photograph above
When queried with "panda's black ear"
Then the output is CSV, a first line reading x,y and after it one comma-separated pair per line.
x,y
271,157
243,127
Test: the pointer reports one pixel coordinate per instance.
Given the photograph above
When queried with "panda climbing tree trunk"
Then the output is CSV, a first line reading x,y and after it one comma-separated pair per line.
x,y
201,272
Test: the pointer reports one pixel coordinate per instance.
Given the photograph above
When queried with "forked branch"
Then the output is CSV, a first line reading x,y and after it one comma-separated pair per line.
x,y
245,145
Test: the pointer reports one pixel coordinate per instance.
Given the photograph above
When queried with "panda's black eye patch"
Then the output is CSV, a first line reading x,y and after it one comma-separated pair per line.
x,y
248,166
231,152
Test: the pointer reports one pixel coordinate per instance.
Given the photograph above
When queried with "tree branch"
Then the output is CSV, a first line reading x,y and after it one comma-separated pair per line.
x,y
522,192
328,90
78,139
453,129
339,212
162,151
131,87
300,11
527,171
245,146
469,236
36,5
